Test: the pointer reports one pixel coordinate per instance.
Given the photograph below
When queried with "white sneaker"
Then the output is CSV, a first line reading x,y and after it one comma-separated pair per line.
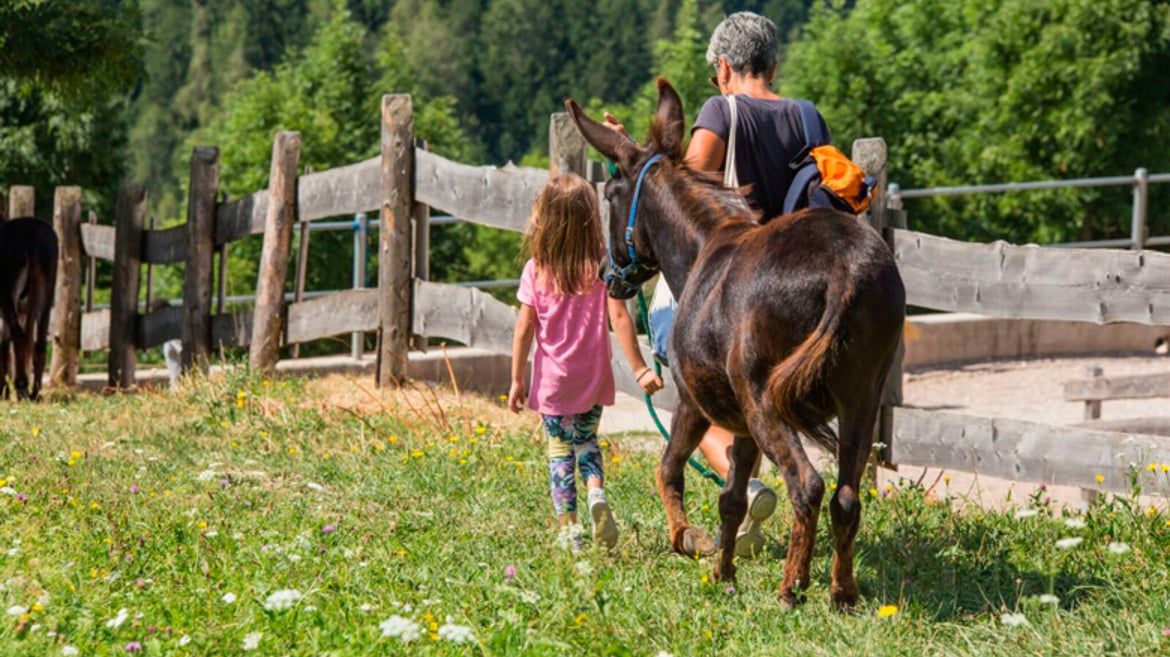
x,y
571,538
605,531
749,540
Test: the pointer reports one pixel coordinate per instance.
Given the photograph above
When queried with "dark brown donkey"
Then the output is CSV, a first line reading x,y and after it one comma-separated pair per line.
x,y
28,276
779,328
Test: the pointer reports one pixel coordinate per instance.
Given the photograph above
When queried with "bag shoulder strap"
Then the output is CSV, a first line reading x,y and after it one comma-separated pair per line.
x,y
810,121
730,176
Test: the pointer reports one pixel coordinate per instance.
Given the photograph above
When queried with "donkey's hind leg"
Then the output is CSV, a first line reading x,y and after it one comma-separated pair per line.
x,y
39,348
686,430
5,350
856,419
806,489
733,502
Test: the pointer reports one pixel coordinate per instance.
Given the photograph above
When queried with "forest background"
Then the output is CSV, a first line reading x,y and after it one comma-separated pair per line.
x,y
97,92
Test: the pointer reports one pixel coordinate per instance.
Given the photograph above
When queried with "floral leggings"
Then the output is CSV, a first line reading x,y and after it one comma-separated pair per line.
x,y
572,440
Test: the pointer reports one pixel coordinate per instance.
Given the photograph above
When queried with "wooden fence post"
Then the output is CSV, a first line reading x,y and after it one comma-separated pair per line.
x,y
129,216
21,201
66,327
567,150
279,218
395,286
202,189
871,155
421,267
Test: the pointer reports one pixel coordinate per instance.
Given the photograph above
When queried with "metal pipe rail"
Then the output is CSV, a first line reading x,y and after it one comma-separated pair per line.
x,y
1140,182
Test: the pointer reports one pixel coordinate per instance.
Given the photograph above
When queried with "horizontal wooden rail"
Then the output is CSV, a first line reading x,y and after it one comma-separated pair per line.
x,y
1138,386
166,246
344,190
228,329
1031,282
1152,426
1026,451
240,218
491,196
333,314
98,241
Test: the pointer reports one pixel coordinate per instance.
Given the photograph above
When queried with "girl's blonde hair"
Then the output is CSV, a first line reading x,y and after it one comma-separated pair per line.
x,y
564,235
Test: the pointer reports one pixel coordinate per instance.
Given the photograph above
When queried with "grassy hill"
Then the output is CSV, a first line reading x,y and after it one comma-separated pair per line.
x,y
300,517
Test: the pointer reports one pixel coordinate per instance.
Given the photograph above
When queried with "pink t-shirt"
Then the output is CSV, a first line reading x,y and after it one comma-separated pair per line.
x,y
570,369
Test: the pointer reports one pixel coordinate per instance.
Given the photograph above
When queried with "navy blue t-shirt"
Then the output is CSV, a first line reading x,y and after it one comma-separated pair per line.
x,y
769,136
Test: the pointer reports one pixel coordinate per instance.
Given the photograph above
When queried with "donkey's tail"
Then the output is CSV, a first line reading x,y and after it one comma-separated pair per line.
x,y
796,376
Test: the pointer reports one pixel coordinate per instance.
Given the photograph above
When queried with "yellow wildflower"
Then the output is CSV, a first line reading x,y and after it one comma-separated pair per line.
x,y
418,454
38,607
615,459
481,430
946,479
224,424
454,453
71,463
832,485
202,524
1100,479
579,619
1151,511
503,398
378,447
873,492
1165,468
94,506
36,431
292,450
462,461
326,456
75,455
704,579
472,441
603,444
885,611
1152,467
392,439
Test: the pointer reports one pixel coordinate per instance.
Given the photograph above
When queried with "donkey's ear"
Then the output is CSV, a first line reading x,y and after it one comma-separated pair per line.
x,y
615,146
669,119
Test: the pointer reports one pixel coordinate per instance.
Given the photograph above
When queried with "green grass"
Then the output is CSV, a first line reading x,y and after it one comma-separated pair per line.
x,y
175,500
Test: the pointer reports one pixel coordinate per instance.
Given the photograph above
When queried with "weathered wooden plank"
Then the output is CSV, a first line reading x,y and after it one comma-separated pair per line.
x,y
166,246
1026,451
1151,426
66,319
157,327
267,315
333,314
1031,282
232,329
492,196
95,330
567,150
240,218
199,234
129,218
98,241
1137,386
394,252
344,190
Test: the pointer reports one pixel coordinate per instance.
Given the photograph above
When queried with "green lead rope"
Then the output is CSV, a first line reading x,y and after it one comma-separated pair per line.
x,y
704,471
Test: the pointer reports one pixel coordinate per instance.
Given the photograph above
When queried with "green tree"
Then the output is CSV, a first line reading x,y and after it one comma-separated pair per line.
x,y
975,92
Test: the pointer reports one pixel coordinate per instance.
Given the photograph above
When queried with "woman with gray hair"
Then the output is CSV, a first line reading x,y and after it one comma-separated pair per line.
x,y
768,136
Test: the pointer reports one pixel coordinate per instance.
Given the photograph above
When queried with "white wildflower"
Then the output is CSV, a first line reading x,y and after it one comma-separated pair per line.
x,y
283,599
12,552
206,475
584,568
456,633
1013,620
8,490
1069,542
211,533
70,651
185,639
36,627
294,558
1049,599
252,640
403,628
228,598
431,602
17,610
1119,548
1026,513
366,608
1074,523
314,486
663,653
529,597
118,619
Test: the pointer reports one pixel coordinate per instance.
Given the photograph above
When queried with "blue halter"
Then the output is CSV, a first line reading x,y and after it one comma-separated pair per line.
x,y
618,278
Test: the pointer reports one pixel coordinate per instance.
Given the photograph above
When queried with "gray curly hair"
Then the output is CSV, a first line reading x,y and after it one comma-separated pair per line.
x,y
746,40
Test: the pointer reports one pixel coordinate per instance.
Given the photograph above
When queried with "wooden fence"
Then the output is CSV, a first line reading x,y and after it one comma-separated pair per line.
x,y
1025,282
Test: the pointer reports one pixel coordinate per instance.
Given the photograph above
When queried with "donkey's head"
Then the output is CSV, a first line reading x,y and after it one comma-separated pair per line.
x,y
632,258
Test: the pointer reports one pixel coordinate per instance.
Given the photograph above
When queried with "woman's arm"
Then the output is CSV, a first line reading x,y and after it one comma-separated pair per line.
x,y
706,151
627,337
521,346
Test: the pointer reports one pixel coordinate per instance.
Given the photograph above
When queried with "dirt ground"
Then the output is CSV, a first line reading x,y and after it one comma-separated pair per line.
x,y
1029,390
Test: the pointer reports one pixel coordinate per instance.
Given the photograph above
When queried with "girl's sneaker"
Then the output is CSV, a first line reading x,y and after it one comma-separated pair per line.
x,y
571,538
605,531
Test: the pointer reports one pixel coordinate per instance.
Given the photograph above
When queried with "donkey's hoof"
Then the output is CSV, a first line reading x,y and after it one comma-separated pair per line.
x,y
844,597
791,598
695,543
724,574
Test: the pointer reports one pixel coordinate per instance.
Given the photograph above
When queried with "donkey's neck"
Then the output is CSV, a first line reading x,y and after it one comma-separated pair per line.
x,y
687,213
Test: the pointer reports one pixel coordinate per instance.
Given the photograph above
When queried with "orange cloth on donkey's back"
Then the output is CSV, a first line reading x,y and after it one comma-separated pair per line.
x,y
840,175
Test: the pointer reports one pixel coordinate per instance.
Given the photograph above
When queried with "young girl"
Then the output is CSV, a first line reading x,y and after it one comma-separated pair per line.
x,y
564,306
